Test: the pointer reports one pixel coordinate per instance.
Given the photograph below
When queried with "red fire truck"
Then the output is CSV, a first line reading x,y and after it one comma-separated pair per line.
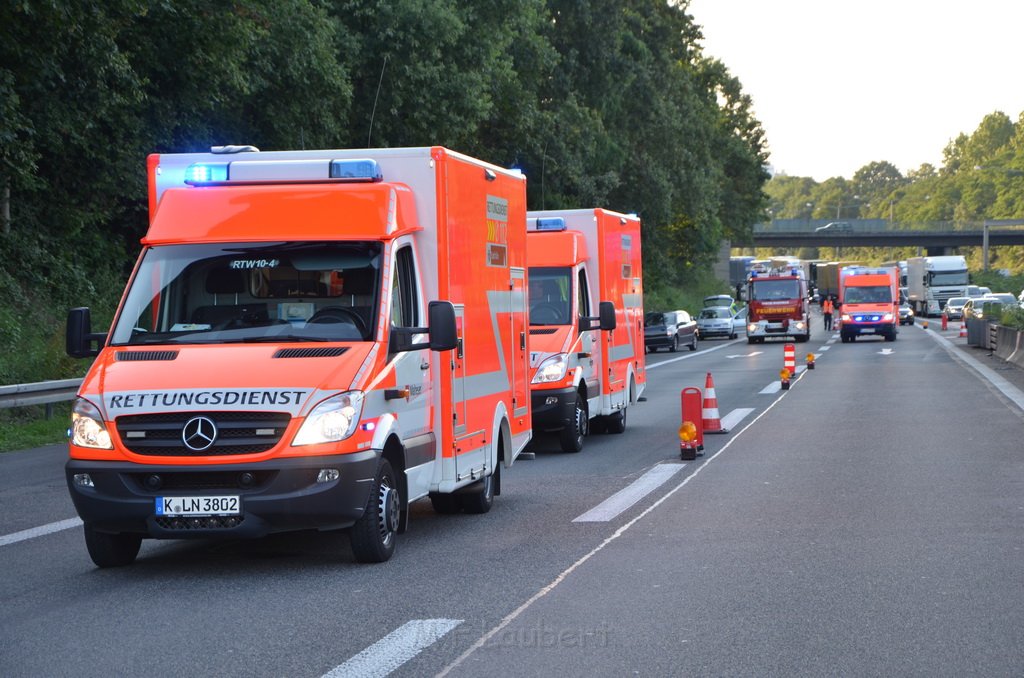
x,y
778,303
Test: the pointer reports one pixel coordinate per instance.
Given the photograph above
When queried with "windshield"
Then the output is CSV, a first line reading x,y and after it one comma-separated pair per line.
x,y
715,313
550,295
768,290
877,294
948,278
227,293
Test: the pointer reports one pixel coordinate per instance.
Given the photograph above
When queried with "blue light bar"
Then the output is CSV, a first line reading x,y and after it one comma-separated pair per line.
x,y
206,173
551,224
356,170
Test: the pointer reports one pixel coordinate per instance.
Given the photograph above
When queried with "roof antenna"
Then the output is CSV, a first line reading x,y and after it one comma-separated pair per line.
x,y
375,97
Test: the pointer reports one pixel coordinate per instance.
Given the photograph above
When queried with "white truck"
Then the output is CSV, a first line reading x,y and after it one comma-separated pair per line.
x,y
932,281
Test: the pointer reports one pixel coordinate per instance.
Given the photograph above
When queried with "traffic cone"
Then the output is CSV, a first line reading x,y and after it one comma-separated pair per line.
x,y
963,330
711,422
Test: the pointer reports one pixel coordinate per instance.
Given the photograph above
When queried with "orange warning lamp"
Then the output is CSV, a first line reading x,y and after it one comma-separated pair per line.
x,y
810,361
688,432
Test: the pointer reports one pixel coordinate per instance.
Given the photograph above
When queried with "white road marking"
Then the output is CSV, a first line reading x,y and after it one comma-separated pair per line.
x,y
771,388
631,494
49,528
745,355
394,649
886,351
512,616
822,349
692,354
730,420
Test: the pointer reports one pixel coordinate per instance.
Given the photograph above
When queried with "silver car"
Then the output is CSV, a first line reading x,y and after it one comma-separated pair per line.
x,y
715,321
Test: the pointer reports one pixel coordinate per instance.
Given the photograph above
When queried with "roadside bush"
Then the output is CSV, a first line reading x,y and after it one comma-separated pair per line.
x,y
1013,317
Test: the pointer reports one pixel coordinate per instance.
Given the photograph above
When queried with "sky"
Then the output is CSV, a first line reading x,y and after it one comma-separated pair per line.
x,y
839,84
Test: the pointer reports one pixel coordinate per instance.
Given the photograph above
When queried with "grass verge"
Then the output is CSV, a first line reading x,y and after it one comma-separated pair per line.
x,y
22,428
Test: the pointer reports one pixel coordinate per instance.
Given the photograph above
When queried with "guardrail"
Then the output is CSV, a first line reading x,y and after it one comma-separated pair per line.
x,y
39,393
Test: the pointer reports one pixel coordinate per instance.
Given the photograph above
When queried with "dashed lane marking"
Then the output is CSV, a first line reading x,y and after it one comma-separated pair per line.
x,y
49,528
394,649
631,494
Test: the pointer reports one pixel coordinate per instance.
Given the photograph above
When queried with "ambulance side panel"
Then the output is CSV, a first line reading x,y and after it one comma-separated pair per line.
x,y
621,278
482,270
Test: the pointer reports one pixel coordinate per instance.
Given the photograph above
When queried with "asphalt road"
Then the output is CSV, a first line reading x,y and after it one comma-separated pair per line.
x,y
866,521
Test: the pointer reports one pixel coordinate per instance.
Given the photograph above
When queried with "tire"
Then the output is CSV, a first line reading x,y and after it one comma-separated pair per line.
x,y
674,345
571,437
480,502
751,340
111,550
445,504
373,536
800,338
616,423
732,336
890,336
693,343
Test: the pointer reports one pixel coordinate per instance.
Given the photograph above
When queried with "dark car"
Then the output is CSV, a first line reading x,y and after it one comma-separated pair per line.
x,y
906,314
669,329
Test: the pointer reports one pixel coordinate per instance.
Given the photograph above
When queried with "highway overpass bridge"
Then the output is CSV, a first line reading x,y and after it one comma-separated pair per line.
x,y
932,238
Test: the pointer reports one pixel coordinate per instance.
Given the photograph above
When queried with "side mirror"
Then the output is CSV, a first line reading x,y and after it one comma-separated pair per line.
x,y
79,338
441,326
606,314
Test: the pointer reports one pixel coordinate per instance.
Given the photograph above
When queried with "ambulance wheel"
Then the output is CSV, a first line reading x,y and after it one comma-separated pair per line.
x,y
111,550
482,500
571,437
616,423
373,536
445,504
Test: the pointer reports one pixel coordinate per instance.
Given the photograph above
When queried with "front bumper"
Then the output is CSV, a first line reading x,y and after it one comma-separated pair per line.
x,y
284,495
553,409
857,329
778,329
659,341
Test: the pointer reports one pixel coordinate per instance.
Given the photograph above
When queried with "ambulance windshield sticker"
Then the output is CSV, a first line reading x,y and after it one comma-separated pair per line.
x,y
245,264
497,232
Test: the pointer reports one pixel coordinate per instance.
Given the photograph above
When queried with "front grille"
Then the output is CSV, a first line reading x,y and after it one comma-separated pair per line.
x,y
237,433
200,523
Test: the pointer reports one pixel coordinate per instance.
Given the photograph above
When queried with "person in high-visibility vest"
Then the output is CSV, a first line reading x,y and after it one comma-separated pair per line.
x,y
826,311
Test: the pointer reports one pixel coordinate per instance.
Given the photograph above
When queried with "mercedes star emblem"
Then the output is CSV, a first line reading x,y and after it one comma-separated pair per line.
x,y
199,433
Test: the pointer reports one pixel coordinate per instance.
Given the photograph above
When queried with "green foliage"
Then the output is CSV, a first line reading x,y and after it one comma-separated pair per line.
x,y
609,103
1013,317
23,428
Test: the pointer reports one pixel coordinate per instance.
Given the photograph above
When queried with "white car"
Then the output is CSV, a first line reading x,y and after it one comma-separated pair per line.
x,y
715,321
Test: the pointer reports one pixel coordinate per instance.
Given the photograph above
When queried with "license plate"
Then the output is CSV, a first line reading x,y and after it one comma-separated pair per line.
x,y
198,506
867,330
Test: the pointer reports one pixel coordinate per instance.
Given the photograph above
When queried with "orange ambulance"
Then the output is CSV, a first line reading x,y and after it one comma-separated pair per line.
x,y
310,339
584,365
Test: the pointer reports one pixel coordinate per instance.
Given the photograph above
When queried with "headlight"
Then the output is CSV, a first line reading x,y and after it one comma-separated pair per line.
x,y
332,420
552,369
87,428
887,317
845,317
752,327
800,325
